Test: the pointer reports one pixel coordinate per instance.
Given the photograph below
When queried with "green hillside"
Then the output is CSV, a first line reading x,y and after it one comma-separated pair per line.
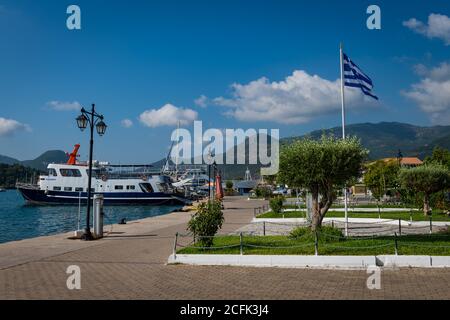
x,y
9,174
383,140
386,138
8,160
40,163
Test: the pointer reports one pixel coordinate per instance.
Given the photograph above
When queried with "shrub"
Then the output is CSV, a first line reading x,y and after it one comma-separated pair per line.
x,y
276,204
427,179
326,233
263,192
229,188
206,222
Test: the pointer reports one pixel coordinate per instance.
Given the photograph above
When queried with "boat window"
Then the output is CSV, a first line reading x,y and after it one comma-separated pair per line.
x,y
70,173
56,188
67,188
52,172
146,187
163,187
131,187
118,187
98,173
79,189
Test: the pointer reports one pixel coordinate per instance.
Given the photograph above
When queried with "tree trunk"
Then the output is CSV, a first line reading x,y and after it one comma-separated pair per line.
x,y
320,208
426,205
316,220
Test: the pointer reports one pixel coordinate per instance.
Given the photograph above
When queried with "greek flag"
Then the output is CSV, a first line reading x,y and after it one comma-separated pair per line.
x,y
356,78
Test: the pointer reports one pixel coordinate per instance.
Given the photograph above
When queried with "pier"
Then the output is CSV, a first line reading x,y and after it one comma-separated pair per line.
x,y
131,263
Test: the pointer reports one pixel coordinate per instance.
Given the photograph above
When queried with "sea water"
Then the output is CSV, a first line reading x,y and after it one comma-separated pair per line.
x,y
19,220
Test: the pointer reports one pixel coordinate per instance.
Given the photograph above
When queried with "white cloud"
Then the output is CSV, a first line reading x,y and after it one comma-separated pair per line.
x,y
432,93
438,27
9,127
440,73
167,115
126,123
297,99
64,106
201,101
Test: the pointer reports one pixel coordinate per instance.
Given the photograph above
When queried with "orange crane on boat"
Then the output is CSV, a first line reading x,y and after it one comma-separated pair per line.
x,y
73,156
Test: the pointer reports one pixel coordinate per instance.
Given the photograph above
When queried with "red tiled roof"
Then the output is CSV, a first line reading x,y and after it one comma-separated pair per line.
x,y
408,161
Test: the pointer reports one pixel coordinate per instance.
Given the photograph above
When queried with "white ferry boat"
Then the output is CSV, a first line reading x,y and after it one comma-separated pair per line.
x,y
119,184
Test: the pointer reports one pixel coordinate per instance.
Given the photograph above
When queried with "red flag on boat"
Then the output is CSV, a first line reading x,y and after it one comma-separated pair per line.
x,y
219,189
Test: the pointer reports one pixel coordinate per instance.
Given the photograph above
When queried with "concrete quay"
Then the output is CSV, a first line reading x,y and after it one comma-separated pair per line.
x,y
131,263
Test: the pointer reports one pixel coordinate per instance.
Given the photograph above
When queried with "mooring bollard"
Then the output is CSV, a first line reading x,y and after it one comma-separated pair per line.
x,y
396,243
175,246
400,226
316,243
240,243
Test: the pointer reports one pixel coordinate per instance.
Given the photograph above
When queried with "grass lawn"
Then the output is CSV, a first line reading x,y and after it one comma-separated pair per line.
x,y
293,206
435,244
416,216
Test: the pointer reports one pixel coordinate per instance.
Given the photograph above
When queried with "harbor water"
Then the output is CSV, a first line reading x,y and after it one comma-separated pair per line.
x,y
19,220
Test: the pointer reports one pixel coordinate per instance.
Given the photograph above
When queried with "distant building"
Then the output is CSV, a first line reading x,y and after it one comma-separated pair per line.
x,y
244,187
360,189
406,162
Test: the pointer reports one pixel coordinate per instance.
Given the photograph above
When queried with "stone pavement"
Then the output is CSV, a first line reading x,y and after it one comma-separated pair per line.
x,y
131,264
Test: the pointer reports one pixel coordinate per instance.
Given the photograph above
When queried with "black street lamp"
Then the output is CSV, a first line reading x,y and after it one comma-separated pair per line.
x,y
214,179
92,119
209,174
399,158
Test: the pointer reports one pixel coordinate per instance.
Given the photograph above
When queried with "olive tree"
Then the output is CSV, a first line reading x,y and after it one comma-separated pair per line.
x,y
320,166
206,222
426,179
380,176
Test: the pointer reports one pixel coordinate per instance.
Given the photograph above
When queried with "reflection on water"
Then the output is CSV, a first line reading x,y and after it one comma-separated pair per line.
x,y
20,221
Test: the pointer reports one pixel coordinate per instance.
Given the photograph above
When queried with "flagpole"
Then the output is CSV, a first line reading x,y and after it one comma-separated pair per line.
x,y
178,151
343,130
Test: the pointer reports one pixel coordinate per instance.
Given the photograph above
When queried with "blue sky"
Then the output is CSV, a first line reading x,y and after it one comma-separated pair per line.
x,y
148,61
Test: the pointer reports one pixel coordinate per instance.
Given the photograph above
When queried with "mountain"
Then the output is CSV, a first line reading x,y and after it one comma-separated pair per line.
x,y
8,160
41,162
383,140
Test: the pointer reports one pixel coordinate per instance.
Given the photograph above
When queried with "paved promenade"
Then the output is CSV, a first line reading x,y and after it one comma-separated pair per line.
x,y
131,264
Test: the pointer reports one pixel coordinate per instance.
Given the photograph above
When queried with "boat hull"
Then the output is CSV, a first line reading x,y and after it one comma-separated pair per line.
x,y
36,196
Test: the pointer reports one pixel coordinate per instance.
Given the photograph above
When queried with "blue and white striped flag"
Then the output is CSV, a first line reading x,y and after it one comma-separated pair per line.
x,y
356,78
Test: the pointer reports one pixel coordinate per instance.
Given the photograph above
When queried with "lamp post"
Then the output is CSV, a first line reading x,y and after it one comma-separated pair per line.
x,y
214,179
399,158
209,173
92,119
